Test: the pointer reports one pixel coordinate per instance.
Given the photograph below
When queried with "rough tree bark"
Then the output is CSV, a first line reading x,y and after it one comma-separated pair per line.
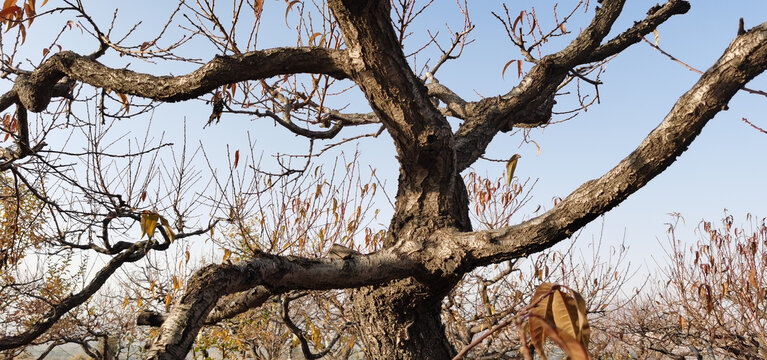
x,y
430,244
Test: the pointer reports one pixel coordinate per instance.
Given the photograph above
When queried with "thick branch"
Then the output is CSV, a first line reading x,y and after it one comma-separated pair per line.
x,y
634,34
397,96
277,273
530,102
745,58
34,91
226,309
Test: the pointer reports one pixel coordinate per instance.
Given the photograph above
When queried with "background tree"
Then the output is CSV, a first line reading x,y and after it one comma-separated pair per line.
x,y
98,191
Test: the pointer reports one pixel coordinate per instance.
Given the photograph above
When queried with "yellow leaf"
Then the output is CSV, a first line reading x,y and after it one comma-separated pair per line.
x,y
148,223
176,283
511,165
168,230
227,254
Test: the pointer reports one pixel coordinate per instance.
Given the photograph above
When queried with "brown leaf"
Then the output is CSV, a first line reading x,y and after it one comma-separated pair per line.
x,y
503,72
29,10
258,7
236,158
583,322
752,278
168,229
539,313
124,100
9,3
565,312
290,6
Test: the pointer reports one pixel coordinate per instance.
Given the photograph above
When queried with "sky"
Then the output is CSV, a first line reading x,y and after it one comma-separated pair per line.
x,y
723,169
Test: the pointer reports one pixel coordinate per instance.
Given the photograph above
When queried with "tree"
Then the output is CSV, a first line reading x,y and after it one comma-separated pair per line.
x,y
709,301
395,293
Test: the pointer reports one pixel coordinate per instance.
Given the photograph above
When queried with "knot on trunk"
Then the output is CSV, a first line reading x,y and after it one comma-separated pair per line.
x,y
35,90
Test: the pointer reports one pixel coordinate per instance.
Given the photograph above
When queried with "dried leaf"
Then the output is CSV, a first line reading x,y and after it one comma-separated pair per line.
x,y
752,278
236,158
657,36
290,6
518,20
9,3
311,38
538,315
6,13
148,223
29,11
574,349
565,312
511,165
168,229
584,329
503,72
124,100
227,254
258,7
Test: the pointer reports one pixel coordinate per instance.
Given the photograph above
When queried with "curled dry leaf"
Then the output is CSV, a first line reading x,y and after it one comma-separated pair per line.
x,y
559,315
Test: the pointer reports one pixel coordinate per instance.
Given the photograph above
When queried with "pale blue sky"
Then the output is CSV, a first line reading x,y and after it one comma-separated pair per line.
x,y
724,168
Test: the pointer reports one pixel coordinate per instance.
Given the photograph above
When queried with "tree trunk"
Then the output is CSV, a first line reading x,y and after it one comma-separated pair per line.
x,y
401,320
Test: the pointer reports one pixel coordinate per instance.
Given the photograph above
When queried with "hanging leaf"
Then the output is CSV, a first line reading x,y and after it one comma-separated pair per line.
x,y
258,7
29,10
503,72
8,12
290,6
148,223
565,313
168,229
539,313
583,322
23,32
657,36
227,254
511,165
124,100
236,158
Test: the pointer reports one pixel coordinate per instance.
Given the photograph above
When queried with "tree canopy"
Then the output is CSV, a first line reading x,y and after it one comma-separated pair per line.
x,y
79,179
